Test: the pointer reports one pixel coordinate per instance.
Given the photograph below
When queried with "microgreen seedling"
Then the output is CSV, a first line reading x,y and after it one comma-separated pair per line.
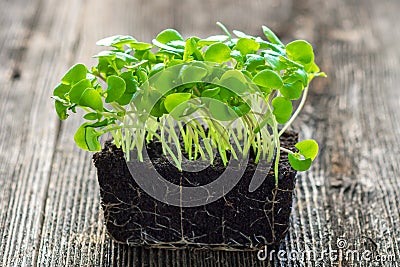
x,y
140,91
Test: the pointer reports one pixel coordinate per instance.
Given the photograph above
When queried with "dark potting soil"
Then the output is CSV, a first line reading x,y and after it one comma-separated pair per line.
x,y
239,220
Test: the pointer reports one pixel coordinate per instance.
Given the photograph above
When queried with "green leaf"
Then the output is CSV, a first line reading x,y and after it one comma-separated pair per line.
x,y
190,47
145,99
226,94
140,46
235,81
300,51
253,61
116,40
156,68
211,92
292,91
61,90
174,100
192,50
131,88
177,44
145,56
164,81
218,52
221,111
236,55
168,35
130,82
141,75
104,68
176,51
92,116
246,46
190,74
268,79
77,90
222,26
112,55
116,88
247,74
235,86
125,99
213,39
234,74
75,74
92,99
242,34
158,109
102,123
242,109
275,61
308,148
299,164
61,110
87,138
175,61
162,54
271,36
312,67
282,109
298,75
270,46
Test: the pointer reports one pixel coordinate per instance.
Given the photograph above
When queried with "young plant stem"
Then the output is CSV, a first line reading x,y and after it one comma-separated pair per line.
x,y
278,152
296,113
286,150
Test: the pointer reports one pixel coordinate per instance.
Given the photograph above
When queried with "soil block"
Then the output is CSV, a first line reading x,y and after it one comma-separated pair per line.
x,y
240,220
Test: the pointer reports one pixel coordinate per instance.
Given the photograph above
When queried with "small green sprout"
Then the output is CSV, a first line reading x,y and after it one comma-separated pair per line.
x,y
243,86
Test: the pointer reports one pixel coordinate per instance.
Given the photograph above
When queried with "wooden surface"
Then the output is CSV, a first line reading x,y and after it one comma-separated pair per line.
x,y
49,197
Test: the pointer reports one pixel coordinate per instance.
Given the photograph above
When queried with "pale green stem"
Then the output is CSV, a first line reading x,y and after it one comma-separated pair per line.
x,y
286,150
296,113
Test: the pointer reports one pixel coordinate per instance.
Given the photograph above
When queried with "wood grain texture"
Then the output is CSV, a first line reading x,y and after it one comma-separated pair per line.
x,y
49,197
28,128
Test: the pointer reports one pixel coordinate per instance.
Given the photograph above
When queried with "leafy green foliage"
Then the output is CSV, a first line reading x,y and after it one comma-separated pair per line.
x,y
218,52
226,78
247,46
169,35
61,110
116,88
77,90
222,112
174,100
268,80
92,99
271,36
74,74
282,109
308,150
86,138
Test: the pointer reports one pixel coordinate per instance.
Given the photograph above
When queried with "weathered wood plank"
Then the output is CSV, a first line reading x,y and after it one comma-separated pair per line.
x,y
352,193
35,39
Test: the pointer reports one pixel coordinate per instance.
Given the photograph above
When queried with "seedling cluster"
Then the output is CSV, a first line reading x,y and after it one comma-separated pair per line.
x,y
240,88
